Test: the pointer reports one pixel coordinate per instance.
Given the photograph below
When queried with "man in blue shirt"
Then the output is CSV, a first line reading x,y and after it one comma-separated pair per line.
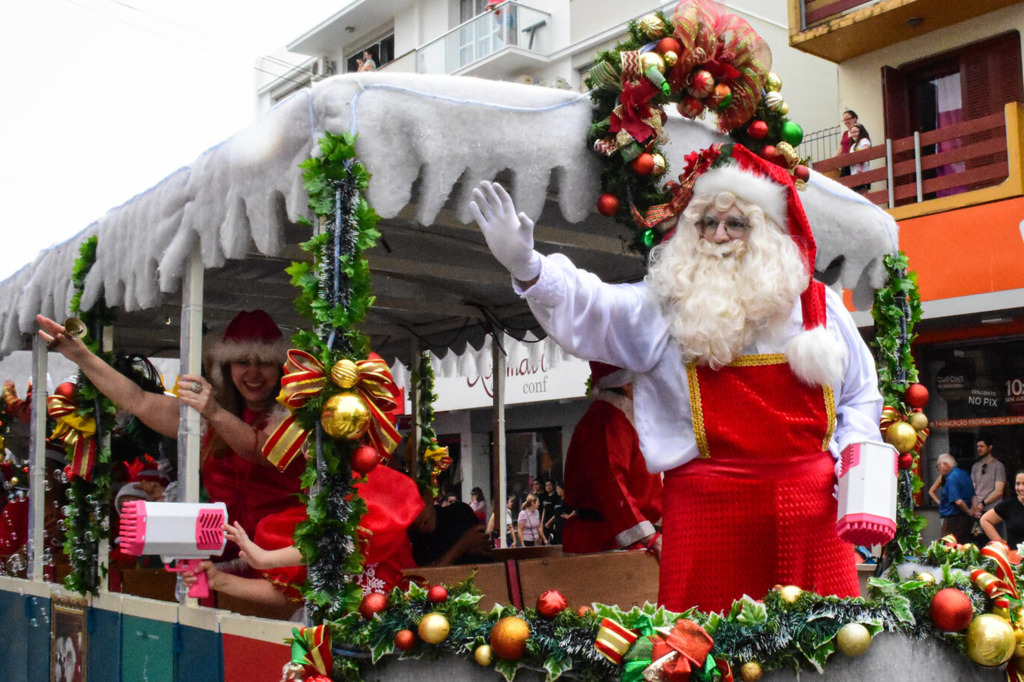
x,y
955,500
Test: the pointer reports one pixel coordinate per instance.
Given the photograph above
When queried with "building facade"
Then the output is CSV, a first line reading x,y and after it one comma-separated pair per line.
x,y
939,87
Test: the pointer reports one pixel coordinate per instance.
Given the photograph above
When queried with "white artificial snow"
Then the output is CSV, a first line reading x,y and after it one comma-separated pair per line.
x,y
431,133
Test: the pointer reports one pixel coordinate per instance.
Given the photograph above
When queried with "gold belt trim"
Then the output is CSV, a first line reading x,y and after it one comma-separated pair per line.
x,y
756,360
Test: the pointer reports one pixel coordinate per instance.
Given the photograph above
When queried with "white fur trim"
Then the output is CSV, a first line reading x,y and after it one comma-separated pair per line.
x,y
222,352
761,191
817,357
616,379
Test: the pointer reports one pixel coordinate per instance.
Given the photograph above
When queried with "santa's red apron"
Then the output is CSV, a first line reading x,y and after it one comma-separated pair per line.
x,y
756,509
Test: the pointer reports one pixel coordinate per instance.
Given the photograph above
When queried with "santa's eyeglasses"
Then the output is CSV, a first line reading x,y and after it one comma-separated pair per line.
x,y
735,226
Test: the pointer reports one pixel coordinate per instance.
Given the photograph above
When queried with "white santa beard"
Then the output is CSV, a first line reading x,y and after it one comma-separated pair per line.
x,y
720,297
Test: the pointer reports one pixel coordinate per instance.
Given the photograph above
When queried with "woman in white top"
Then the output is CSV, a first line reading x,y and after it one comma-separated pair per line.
x,y
529,522
860,141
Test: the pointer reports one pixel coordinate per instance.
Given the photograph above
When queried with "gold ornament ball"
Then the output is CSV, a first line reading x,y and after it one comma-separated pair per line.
x,y
901,436
853,639
751,672
918,420
990,640
783,109
14,480
345,373
773,83
925,576
1018,647
433,628
649,59
652,26
670,58
790,593
508,638
659,164
345,415
483,655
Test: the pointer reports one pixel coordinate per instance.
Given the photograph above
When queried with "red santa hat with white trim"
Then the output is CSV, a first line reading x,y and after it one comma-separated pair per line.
x,y
251,335
815,355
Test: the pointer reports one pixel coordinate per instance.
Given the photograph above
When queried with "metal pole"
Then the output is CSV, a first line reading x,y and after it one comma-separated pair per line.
x,y
888,168
415,359
498,454
917,166
191,355
103,549
37,462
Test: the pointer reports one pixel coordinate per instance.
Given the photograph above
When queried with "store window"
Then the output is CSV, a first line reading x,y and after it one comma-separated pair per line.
x,y
976,389
532,456
382,52
968,83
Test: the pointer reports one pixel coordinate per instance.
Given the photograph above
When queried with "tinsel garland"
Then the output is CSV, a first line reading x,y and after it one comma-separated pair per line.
x,y
896,310
617,178
86,515
335,295
779,632
424,380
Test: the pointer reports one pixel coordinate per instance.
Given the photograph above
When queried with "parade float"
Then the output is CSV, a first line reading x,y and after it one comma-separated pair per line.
x,y
358,188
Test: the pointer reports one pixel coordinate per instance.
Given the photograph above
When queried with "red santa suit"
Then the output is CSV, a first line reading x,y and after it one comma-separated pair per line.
x,y
615,499
748,450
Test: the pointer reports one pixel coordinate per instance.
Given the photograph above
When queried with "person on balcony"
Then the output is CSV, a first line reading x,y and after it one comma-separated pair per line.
x,y
859,141
750,377
849,120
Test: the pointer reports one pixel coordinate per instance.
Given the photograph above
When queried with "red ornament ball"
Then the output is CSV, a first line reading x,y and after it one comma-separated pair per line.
x,y
551,603
689,106
643,164
668,45
916,395
364,460
437,594
372,604
67,389
768,152
404,640
584,611
608,204
906,460
951,610
802,172
758,130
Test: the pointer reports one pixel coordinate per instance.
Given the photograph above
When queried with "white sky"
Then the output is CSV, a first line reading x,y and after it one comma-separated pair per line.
x,y
102,99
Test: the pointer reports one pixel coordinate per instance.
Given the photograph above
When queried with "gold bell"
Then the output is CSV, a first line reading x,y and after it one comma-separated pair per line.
x,y
74,328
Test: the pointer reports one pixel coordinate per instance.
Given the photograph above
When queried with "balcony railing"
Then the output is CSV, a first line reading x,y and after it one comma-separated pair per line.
x,y
953,166
509,26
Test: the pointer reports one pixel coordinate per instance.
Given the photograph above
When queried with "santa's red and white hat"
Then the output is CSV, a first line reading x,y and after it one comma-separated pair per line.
x,y
252,335
603,375
815,355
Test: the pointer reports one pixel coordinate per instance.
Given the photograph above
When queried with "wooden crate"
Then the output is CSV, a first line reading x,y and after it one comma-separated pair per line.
x,y
624,578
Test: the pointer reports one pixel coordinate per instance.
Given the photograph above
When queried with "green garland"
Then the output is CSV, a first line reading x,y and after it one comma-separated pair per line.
x,y
896,310
423,377
335,182
87,513
787,630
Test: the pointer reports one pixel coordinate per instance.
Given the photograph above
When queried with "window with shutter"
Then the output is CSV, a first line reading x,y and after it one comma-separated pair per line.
x,y
971,82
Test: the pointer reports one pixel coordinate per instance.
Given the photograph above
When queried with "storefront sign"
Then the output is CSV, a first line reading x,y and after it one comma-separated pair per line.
x,y
525,382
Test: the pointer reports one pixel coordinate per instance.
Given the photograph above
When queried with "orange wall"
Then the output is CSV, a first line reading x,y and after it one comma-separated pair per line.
x,y
974,250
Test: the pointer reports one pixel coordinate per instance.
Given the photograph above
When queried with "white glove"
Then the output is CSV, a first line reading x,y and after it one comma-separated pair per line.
x,y
509,235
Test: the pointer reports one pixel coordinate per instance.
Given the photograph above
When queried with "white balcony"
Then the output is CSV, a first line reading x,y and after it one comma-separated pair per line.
x,y
501,42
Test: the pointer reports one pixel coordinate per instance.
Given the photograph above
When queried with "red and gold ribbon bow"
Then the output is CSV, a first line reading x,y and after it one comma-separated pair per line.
x,y
682,651
613,640
1002,587
311,648
76,432
305,377
697,163
437,457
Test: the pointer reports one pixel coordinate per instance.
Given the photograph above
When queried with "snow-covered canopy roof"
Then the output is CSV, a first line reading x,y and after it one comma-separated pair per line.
x,y
427,141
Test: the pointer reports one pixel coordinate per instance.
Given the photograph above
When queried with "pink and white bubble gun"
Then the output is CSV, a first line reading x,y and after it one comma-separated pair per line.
x,y
867,494
184,533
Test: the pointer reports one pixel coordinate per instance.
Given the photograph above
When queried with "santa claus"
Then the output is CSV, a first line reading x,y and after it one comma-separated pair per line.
x,y
750,377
